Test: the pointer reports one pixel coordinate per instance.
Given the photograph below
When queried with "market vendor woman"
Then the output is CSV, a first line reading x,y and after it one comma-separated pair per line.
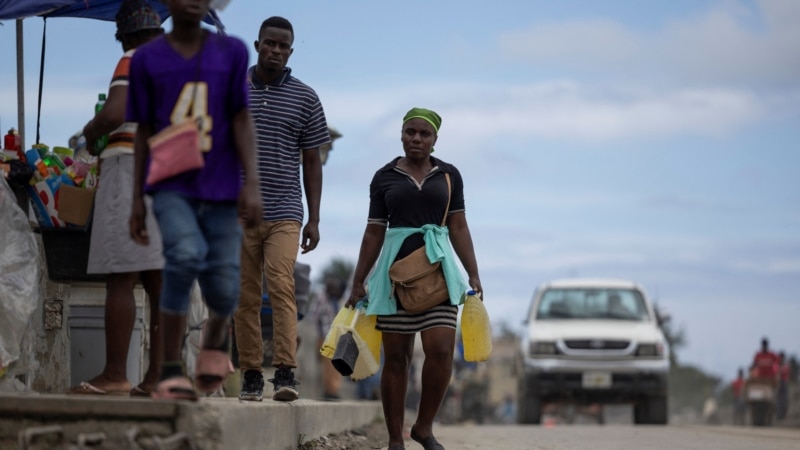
x,y
112,251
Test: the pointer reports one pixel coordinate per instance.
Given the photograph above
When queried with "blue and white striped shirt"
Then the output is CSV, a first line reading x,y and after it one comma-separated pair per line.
x,y
288,118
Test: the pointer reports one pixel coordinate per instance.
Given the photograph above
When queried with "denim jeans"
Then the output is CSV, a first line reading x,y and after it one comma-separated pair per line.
x,y
201,241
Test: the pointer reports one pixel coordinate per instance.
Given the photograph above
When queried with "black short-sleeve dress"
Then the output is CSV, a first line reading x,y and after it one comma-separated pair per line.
x,y
398,200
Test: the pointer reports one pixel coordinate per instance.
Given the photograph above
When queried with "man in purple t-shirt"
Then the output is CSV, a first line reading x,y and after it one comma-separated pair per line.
x,y
192,74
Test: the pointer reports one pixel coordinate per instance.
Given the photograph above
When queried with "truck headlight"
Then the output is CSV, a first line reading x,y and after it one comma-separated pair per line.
x,y
542,348
650,350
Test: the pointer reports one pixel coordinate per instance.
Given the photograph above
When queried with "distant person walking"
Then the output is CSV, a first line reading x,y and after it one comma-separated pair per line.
x,y
739,404
111,250
193,75
323,310
290,129
409,197
782,400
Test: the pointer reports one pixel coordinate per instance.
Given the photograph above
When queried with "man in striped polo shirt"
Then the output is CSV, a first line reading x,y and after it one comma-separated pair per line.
x,y
290,129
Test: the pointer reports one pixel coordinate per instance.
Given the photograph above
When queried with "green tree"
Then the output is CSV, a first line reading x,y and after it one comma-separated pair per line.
x,y
689,386
675,336
505,331
339,269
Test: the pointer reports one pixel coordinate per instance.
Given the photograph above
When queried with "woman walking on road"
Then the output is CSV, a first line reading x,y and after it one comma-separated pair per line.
x,y
409,196
111,250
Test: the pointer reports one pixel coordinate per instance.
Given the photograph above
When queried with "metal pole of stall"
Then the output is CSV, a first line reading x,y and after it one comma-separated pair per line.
x,y
20,87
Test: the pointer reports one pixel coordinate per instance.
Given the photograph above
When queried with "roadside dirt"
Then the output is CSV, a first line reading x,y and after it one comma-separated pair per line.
x,y
369,437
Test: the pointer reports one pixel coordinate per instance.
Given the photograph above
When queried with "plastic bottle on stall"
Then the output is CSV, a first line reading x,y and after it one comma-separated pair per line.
x,y
52,160
9,141
64,153
36,163
476,333
12,141
79,148
91,179
102,141
67,179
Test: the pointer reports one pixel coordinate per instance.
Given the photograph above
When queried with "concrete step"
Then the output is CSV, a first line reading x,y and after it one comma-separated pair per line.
x,y
59,421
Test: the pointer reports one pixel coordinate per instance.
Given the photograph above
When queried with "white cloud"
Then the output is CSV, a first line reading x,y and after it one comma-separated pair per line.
x,y
577,44
777,265
565,110
726,44
782,15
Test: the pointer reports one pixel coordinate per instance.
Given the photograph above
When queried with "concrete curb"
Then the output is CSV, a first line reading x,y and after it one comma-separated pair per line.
x,y
224,423
213,423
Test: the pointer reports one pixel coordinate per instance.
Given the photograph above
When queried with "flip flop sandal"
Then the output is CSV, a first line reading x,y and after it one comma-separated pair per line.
x,y
86,388
137,391
429,443
211,369
175,388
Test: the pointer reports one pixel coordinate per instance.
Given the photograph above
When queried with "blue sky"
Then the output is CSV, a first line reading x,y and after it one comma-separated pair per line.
x,y
652,141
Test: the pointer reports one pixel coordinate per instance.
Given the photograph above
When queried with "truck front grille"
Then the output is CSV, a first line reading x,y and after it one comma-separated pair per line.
x,y
596,344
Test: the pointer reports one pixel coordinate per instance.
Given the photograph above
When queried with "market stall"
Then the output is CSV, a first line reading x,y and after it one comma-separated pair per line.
x,y
59,181
67,344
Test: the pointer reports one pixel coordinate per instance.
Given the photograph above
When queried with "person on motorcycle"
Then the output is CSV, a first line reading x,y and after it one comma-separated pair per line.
x,y
765,363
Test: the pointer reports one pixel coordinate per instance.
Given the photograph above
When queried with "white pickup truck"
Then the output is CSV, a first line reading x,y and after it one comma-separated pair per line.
x,y
592,341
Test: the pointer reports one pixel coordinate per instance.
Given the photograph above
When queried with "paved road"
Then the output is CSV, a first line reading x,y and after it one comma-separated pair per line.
x,y
614,437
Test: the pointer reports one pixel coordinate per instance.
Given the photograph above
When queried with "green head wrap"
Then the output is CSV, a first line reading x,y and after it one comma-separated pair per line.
x,y
425,114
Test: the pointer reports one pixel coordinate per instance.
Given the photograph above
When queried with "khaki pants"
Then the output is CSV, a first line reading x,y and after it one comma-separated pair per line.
x,y
270,249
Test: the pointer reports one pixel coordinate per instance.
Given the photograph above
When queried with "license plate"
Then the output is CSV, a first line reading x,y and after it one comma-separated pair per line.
x,y
596,380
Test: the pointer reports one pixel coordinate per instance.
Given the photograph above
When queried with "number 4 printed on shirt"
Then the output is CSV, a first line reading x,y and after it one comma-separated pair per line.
x,y
185,108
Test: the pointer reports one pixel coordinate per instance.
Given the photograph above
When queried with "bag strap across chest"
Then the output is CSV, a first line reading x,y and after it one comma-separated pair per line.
x,y
449,194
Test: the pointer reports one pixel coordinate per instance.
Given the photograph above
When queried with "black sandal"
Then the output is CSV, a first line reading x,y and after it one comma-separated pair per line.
x,y
429,443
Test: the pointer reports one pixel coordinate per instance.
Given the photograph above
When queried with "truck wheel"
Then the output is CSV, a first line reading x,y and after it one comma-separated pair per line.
x,y
650,411
770,415
657,410
639,413
757,414
529,406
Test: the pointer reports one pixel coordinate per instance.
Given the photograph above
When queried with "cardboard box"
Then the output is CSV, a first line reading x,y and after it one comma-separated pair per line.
x,y
75,205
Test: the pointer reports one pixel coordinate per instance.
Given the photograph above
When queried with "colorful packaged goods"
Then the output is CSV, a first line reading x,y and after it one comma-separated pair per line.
x,y
62,187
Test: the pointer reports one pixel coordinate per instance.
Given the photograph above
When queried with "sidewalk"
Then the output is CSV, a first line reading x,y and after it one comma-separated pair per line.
x,y
55,421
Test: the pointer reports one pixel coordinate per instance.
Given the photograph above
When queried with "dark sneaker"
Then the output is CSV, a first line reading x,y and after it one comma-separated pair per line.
x,y
285,383
330,397
252,386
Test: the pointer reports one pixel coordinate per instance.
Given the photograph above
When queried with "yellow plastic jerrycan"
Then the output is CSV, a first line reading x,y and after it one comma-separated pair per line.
x,y
338,327
476,333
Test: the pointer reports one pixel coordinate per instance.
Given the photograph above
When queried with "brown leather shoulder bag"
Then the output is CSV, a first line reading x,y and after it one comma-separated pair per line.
x,y
416,283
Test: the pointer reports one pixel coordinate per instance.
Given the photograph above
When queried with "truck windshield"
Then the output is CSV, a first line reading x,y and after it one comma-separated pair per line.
x,y
582,304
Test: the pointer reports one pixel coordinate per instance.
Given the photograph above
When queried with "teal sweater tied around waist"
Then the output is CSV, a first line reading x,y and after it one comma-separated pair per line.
x,y
437,248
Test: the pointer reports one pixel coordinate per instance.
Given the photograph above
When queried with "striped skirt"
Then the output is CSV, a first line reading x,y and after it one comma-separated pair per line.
x,y
443,315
